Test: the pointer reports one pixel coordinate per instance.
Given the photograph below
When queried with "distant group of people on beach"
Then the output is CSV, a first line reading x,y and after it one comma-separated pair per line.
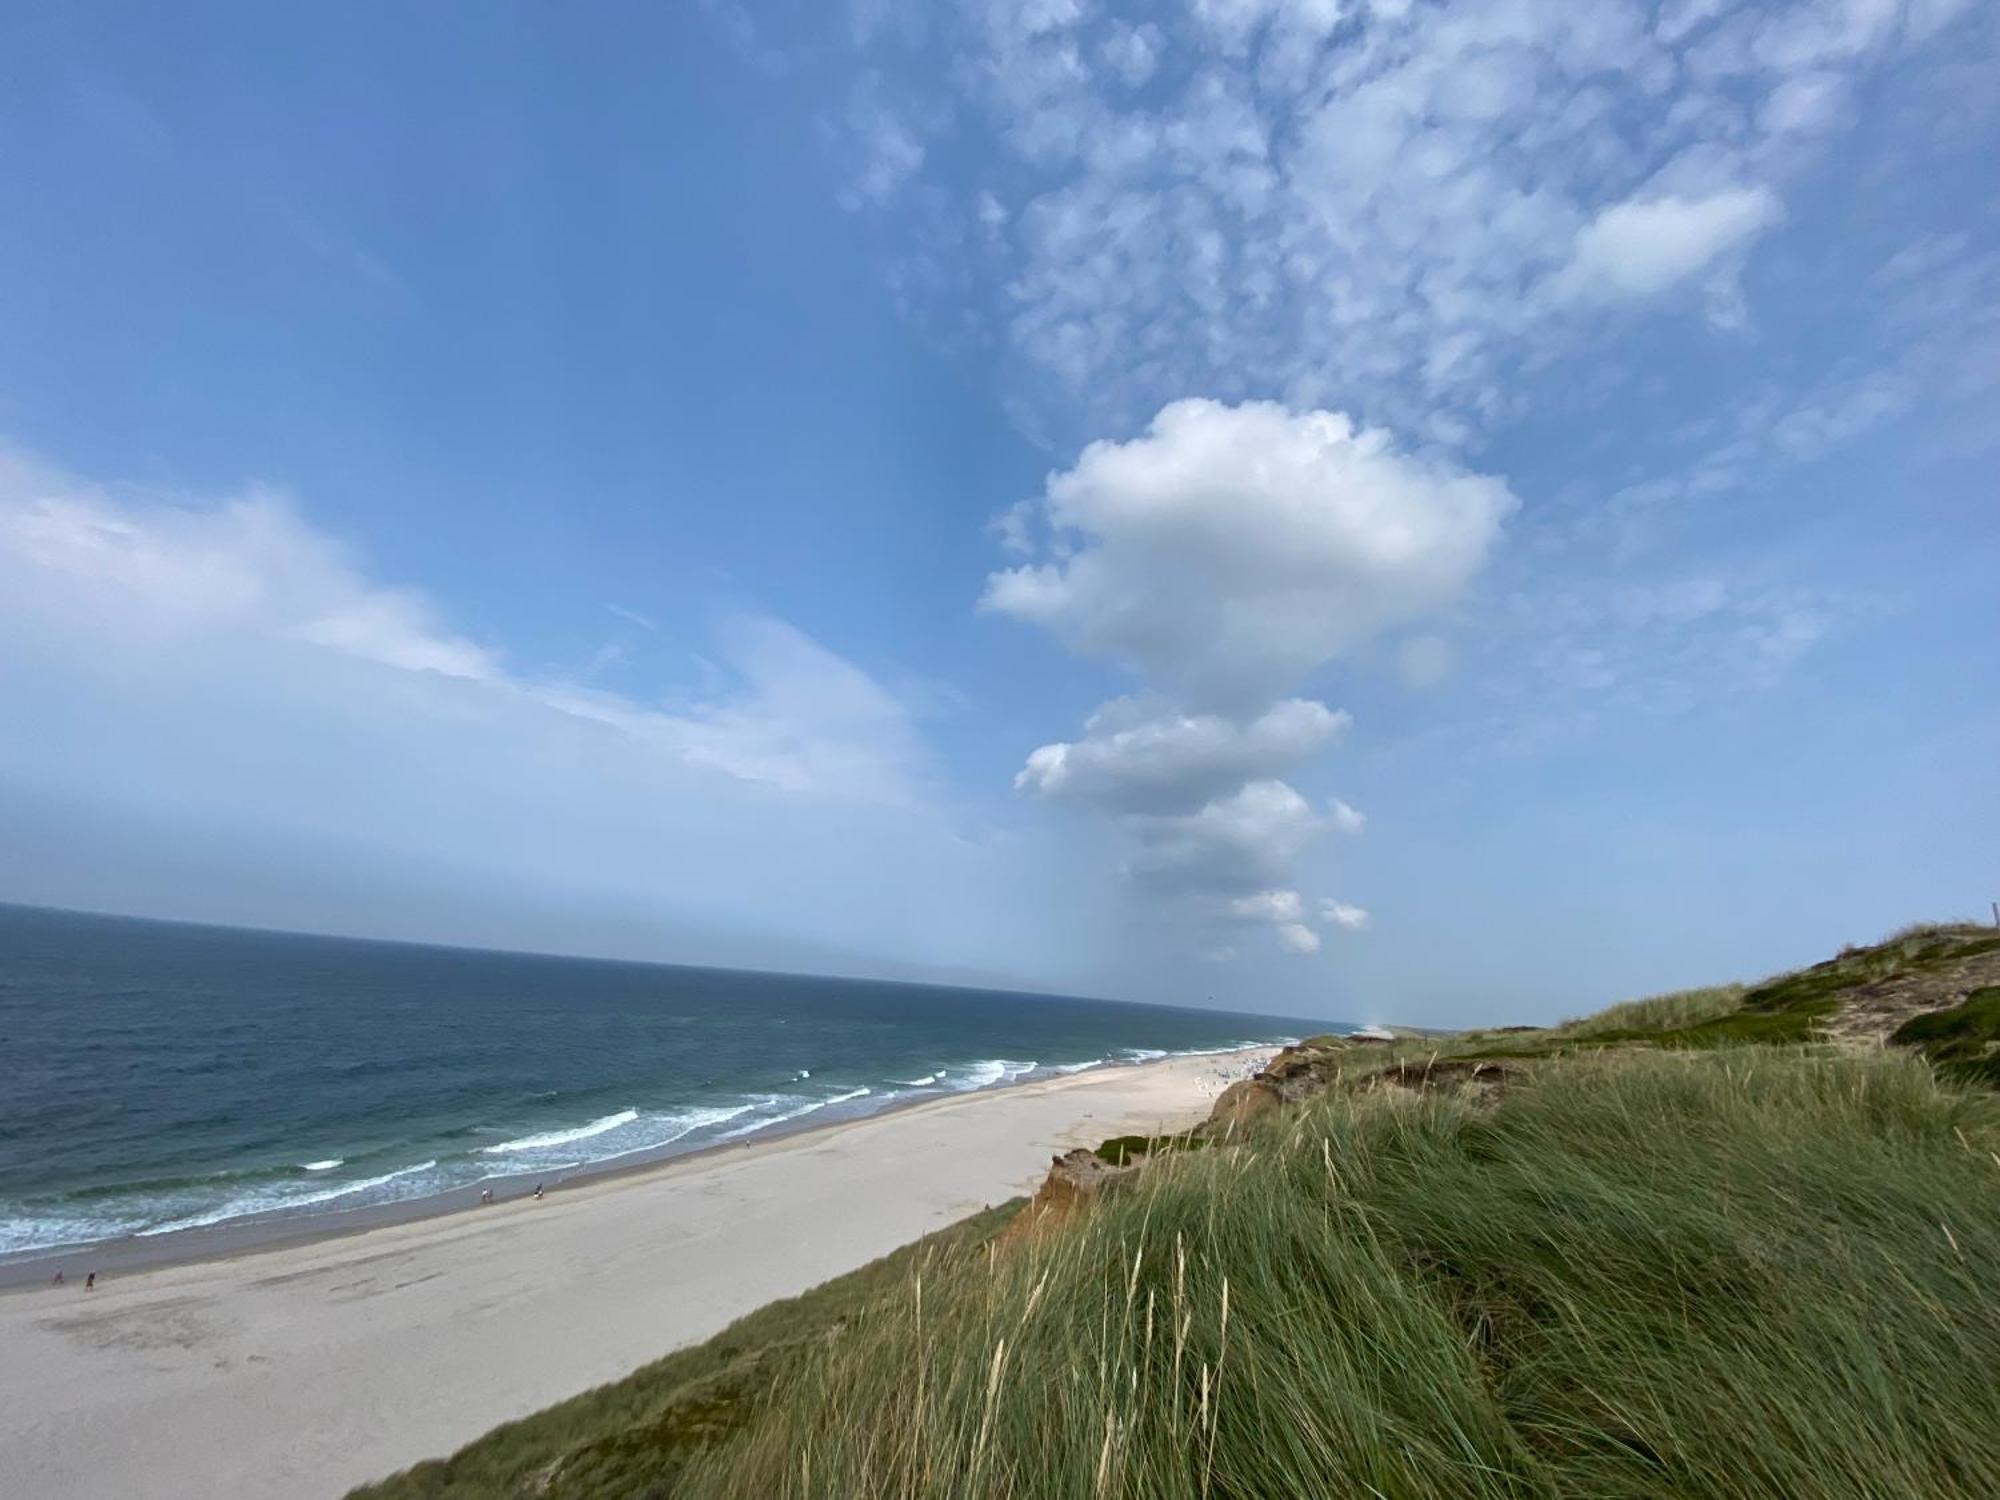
x,y
486,1194
89,1281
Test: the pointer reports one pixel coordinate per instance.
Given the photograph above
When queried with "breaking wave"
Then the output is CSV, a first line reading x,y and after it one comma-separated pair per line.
x,y
562,1137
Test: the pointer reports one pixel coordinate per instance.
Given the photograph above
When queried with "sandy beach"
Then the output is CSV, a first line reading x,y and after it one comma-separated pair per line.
x,y
300,1371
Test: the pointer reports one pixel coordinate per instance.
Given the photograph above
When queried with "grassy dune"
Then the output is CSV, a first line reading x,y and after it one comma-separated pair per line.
x,y
1637,1275
1716,1267
1659,1012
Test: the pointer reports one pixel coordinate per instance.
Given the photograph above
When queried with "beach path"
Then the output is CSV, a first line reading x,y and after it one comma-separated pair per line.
x,y
300,1371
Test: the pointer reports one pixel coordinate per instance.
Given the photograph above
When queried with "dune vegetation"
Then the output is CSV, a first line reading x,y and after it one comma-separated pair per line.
x,y
1724,1244
1658,1012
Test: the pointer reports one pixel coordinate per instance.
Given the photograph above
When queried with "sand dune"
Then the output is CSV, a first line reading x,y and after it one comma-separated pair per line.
x,y
300,1371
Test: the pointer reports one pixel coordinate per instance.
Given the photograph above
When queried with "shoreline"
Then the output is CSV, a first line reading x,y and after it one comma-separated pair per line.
x,y
25,1270
311,1366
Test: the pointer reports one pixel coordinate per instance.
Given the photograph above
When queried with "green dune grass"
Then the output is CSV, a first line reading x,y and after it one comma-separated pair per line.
x,y
1964,1041
1730,1274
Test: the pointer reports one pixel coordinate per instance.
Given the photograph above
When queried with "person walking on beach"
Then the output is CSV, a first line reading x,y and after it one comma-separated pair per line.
x,y
538,1192
59,1280
90,1282
486,1195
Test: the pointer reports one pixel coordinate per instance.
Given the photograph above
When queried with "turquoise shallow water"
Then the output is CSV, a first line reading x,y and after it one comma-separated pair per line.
x,y
162,1076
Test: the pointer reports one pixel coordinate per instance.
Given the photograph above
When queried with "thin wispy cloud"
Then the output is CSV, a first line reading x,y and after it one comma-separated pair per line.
x,y
114,575
632,617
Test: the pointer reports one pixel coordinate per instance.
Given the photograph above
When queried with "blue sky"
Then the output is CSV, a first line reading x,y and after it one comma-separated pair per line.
x,y
1416,512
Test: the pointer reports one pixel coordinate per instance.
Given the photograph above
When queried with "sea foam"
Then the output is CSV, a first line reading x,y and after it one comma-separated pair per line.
x,y
562,1137
990,1071
280,1201
686,1122
801,1107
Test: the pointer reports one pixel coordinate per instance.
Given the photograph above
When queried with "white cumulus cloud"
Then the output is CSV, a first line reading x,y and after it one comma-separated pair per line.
x,y
1641,247
1296,937
1243,841
1269,906
1230,550
1140,755
1342,915
1224,554
1284,912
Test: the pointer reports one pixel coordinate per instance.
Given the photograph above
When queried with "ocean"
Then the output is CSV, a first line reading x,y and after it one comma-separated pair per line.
x,y
162,1077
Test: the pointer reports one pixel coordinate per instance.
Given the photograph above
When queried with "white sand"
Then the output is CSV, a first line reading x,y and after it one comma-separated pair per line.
x,y
299,1372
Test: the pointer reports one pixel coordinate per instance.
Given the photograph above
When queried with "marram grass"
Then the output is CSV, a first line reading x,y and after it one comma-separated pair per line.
x,y
1658,1012
1749,1273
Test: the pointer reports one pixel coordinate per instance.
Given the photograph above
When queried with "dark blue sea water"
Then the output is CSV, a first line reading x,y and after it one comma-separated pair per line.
x,y
159,1076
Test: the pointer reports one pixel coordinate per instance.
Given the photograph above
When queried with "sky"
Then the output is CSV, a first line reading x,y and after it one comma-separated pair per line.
x,y
1439,513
